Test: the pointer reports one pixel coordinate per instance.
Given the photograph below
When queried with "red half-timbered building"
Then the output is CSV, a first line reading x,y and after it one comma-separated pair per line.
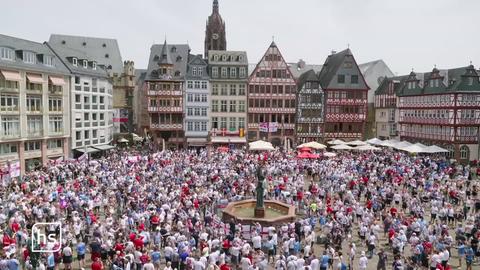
x,y
442,108
271,100
345,97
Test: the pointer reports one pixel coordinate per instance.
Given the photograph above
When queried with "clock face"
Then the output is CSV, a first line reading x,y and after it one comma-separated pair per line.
x,y
215,36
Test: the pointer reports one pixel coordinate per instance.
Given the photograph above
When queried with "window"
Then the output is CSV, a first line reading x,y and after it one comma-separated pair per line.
x,y
189,126
215,57
241,106
85,63
9,103
189,97
94,134
241,90
204,111
341,78
7,53
204,85
196,126
56,143
197,97
200,71
223,107
102,116
215,89
197,85
55,124
215,72
204,126
194,71
48,60
241,122
233,106
223,122
8,148
233,123
214,122
189,111
10,126
233,72
33,146
464,152
197,111
214,105
29,57
34,125
189,84
102,99
86,134
86,116
78,135
354,79
233,89
34,103
204,97
242,72
224,72
74,62
223,90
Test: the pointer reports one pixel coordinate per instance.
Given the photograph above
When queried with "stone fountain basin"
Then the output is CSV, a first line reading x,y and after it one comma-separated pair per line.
x,y
276,213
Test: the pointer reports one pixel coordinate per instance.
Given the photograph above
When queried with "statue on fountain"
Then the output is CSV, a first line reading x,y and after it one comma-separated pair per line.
x,y
260,207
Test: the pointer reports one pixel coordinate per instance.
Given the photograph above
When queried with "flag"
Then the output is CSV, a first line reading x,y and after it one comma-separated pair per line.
x,y
15,169
82,157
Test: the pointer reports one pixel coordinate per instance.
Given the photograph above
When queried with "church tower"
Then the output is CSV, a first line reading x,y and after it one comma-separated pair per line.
x,y
215,38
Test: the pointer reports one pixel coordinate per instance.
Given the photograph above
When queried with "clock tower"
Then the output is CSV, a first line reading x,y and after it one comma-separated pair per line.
x,y
215,38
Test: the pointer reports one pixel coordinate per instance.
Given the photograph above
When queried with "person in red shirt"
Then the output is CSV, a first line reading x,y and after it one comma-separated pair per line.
x,y
138,242
97,264
224,267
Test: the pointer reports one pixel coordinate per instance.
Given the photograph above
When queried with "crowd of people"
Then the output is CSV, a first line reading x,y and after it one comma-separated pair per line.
x,y
140,209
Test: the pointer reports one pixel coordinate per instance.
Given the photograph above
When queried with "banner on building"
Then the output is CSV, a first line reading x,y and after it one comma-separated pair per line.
x,y
268,127
120,120
15,169
82,157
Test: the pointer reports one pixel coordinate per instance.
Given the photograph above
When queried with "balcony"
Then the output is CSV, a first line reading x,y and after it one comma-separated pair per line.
x,y
166,126
271,110
166,109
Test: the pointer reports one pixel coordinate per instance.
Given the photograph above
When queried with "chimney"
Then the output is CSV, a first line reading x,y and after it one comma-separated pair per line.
x,y
300,64
334,52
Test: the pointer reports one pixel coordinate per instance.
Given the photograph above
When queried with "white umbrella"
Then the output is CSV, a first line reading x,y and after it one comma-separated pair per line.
x,y
366,148
314,145
389,143
414,149
329,154
375,141
436,149
342,147
137,139
356,142
122,140
260,146
336,142
400,145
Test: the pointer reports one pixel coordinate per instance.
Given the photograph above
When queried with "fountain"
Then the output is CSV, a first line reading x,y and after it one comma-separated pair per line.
x,y
265,212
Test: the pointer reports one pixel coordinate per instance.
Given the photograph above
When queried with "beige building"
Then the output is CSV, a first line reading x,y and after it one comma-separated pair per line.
x,y
34,102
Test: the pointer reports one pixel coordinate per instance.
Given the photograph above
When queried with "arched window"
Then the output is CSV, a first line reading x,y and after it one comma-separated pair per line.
x,y
464,152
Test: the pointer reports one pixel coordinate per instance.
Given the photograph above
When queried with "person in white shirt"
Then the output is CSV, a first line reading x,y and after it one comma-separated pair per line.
x,y
315,263
257,242
362,262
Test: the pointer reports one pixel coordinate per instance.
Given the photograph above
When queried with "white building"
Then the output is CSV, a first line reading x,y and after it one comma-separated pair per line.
x,y
197,102
34,102
91,99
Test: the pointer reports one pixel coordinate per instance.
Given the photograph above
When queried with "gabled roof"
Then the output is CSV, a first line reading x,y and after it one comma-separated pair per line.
x,y
263,61
18,45
196,60
104,51
384,85
308,76
178,54
331,65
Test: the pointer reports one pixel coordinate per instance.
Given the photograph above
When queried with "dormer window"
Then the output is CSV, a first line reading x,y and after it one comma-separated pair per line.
x,y
177,73
179,58
224,57
104,45
156,58
240,58
48,60
7,53
200,71
74,62
94,65
29,57
470,81
174,49
85,63
194,71
215,58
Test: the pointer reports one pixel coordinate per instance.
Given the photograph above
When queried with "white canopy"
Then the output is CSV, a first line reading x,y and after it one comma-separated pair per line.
x,y
414,149
342,147
329,154
336,142
366,148
356,142
260,146
314,145
436,149
389,143
375,141
402,145
421,145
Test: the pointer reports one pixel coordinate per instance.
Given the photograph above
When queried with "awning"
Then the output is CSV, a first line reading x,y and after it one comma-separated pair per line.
x,y
88,150
11,75
197,141
57,80
35,78
225,139
104,147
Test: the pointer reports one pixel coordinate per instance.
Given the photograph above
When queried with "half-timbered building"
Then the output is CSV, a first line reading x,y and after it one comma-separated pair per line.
x,y
386,112
443,108
271,100
345,97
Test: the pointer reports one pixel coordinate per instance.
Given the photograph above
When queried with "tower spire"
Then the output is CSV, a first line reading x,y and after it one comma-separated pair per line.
x,y
215,6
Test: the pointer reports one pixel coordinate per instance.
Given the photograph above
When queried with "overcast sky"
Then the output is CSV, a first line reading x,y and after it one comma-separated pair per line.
x,y
406,34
